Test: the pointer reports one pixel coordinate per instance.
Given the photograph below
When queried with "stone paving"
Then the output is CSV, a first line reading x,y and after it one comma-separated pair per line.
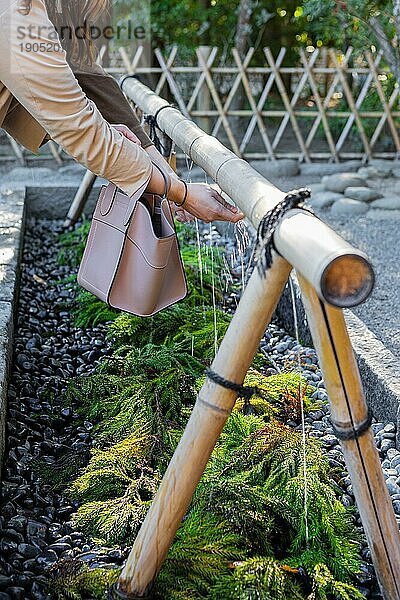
x,y
12,209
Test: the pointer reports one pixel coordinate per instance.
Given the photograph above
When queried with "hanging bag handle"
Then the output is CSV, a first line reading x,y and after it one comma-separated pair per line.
x,y
135,197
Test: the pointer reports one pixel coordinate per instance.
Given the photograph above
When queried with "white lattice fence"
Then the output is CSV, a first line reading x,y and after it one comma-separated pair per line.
x,y
330,105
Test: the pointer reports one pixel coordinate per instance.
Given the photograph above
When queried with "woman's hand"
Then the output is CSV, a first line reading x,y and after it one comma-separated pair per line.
x,y
205,203
181,215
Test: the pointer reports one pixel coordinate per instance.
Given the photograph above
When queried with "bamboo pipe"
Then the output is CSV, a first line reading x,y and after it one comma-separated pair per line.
x,y
348,411
212,408
341,274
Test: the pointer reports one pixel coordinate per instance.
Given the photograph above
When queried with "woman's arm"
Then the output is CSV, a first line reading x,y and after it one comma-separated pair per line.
x,y
44,84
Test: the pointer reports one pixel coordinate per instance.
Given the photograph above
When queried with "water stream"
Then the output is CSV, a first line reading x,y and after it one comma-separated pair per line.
x,y
301,397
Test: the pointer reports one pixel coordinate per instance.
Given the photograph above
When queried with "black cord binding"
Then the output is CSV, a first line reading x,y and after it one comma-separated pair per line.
x,y
262,252
354,432
151,120
243,391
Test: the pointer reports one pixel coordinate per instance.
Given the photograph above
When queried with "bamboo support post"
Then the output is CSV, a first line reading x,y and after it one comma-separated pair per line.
x,y
207,420
80,198
348,413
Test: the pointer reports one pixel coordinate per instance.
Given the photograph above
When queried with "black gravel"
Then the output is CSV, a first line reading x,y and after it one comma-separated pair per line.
x,y
49,350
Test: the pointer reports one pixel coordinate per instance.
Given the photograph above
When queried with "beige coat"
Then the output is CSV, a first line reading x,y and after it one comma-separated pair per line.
x,y
39,94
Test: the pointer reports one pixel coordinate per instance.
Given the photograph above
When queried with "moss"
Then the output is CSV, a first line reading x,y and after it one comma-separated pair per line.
x,y
72,580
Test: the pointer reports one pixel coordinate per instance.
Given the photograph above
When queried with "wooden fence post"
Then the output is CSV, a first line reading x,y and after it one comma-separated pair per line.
x,y
204,95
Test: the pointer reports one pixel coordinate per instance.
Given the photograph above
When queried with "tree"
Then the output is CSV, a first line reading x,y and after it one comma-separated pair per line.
x,y
332,21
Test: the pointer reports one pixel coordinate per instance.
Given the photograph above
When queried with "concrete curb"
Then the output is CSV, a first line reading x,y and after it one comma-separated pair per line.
x,y
379,368
12,221
380,372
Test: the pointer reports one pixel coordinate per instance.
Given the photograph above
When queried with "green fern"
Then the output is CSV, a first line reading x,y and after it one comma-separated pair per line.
x,y
89,311
192,329
71,579
202,553
110,472
117,520
73,244
150,360
259,578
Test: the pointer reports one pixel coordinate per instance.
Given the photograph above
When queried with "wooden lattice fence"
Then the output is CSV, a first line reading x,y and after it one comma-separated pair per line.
x,y
329,106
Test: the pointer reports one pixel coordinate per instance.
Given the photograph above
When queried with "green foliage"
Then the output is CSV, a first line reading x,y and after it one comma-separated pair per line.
x,y
111,471
150,360
72,580
244,535
73,244
343,23
200,557
192,329
159,402
325,586
259,578
62,471
117,521
89,311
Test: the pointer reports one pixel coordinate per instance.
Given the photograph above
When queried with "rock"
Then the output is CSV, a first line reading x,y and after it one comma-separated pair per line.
x,y
369,173
347,500
17,593
5,582
282,347
338,183
390,428
392,486
18,523
363,194
386,444
324,199
59,548
395,462
34,528
47,558
28,550
384,167
285,167
387,203
321,169
348,206
396,506
376,427
316,188
329,440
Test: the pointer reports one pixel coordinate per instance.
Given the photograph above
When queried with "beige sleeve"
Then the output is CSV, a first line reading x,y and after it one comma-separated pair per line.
x,y
44,84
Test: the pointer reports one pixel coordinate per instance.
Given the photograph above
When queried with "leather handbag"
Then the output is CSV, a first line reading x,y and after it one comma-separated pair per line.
x,y
132,259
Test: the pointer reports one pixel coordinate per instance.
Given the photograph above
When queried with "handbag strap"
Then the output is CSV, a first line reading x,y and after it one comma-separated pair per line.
x,y
135,197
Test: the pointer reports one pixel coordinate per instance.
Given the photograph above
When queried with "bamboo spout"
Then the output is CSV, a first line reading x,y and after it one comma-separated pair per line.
x,y
341,274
